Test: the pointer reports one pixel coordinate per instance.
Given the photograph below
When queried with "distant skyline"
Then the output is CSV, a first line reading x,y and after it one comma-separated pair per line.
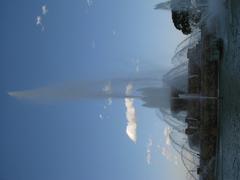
x,y
46,43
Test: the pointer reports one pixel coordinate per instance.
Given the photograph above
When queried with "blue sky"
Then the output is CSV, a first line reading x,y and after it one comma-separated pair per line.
x,y
80,39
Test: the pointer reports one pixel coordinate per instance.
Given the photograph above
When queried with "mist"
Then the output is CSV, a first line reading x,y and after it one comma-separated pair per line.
x,y
114,88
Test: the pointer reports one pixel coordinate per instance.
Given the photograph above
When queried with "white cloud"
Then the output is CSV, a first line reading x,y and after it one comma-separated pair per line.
x,y
132,121
100,116
107,88
131,129
149,151
44,10
38,20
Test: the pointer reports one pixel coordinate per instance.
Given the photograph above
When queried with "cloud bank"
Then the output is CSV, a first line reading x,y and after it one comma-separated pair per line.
x,y
131,129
